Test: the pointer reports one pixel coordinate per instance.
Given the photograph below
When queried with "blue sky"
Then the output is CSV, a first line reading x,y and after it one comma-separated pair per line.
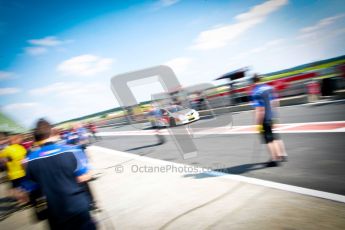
x,y
57,57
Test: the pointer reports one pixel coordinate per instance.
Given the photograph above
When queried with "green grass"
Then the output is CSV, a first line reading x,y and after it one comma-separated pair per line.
x,y
10,126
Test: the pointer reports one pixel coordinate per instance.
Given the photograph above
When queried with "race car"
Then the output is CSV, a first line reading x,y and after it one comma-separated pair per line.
x,y
175,115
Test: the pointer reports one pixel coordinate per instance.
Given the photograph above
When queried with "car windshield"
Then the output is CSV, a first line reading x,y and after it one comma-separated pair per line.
x,y
175,108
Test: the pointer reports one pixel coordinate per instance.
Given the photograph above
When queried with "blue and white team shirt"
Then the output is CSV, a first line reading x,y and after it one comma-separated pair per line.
x,y
262,96
54,167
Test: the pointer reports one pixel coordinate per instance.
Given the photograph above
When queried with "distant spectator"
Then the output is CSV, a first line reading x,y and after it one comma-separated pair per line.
x,y
93,130
158,123
3,144
313,91
3,140
78,136
28,142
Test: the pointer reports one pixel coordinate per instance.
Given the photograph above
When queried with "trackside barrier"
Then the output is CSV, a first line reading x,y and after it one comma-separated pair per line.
x,y
230,109
245,107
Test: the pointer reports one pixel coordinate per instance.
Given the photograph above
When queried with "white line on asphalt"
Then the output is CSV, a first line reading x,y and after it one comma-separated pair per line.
x,y
265,183
251,111
287,127
287,131
230,132
325,102
202,133
283,128
316,123
298,105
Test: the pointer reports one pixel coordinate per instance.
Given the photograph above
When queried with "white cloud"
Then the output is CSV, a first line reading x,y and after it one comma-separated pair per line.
x,y
220,37
262,10
270,46
323,23
47,41
85,65
321,28
5,75
6,91
34,51
40,46
166,3
84,96
68,89
76,98
267,46
20,106
179,64
56,88
28,112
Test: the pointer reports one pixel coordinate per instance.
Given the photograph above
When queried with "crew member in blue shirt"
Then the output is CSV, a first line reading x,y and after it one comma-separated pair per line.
x,y
79,136
264,102
59,173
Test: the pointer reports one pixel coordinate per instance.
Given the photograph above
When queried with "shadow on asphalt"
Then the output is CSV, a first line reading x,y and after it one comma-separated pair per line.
x,y
145,146
7,207
238,169
7,203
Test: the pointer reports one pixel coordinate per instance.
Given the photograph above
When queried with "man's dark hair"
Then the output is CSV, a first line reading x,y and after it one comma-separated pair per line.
x,y
256,78
42,130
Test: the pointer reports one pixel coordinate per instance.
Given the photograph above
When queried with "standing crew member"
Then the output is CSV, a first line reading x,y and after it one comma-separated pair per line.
x,y
58,172
78,137
157,123
264,102
12,156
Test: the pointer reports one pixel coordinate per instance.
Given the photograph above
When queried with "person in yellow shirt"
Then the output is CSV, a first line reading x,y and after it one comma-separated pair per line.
x,y
13,156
